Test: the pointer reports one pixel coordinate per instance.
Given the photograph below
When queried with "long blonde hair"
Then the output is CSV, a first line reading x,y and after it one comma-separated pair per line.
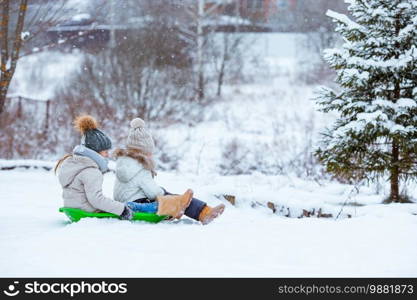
x,y
61,161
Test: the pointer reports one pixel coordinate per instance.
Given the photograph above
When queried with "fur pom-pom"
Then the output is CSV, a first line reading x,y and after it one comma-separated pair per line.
x,y
137,122
85,123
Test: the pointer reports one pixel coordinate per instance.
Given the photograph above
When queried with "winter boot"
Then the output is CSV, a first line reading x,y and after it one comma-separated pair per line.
x,y
174,205
208,213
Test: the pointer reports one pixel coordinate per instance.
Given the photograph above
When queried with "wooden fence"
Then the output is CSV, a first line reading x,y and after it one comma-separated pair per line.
x,y
22,106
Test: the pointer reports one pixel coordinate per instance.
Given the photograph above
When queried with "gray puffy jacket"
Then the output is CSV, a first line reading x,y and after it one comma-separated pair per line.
x,y
133,181
82,182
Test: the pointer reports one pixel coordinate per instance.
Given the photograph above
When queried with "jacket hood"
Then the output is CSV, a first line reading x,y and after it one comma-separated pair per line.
x,y
127,168
97,158
72,166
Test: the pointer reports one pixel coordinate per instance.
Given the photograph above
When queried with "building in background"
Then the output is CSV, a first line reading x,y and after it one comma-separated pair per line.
x,y
260,11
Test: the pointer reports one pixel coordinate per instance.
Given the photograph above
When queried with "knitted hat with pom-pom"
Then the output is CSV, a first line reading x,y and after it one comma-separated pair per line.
x,y
91,136
139,138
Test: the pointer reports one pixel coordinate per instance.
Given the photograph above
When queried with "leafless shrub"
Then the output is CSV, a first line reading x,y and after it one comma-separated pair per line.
x,y
24,137
284,155
234,160
239,158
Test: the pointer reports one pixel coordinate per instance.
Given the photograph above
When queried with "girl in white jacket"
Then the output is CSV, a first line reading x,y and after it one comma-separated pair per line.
x,y
135,172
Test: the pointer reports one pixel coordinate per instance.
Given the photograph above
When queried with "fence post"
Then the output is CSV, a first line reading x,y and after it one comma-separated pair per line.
x,y
19,107
48,103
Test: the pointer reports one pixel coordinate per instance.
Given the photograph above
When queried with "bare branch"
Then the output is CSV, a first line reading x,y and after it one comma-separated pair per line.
x,y
17,43
4,36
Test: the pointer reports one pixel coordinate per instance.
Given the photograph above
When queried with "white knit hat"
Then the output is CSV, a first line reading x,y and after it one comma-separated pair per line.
x,y
139,137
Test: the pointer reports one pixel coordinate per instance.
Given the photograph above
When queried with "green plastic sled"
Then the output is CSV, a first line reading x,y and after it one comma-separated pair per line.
x,y
75,214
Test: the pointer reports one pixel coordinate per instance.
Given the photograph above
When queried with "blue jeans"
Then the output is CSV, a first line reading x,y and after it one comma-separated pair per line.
x,y
150,207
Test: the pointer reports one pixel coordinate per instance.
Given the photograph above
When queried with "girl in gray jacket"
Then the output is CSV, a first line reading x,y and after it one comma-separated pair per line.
x,y
81,173
135,172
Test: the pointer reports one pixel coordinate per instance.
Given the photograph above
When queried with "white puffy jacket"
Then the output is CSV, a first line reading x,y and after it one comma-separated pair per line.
x,y
133,181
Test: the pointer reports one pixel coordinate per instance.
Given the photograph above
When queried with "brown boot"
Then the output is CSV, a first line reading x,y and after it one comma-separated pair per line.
x,y
208,213
174,205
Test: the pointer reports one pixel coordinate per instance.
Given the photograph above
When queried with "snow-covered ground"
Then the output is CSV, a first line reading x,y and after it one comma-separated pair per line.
x,y
36,240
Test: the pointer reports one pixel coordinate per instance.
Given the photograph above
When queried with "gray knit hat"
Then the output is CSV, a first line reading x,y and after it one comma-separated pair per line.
x,y
139,138
91,136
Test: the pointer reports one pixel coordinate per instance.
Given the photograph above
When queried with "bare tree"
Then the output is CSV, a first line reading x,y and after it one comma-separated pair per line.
x,y
201,22
9,59
227,52
318,34
20,23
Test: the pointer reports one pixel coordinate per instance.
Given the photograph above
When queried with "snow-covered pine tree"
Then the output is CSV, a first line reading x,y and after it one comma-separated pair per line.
x,y
376,130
